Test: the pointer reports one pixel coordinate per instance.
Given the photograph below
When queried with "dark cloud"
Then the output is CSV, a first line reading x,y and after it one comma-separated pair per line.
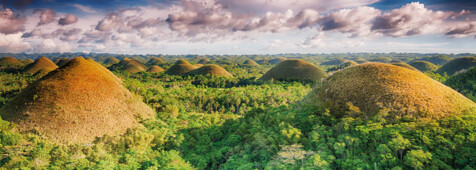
x,y
10,23
110,22
462,30
68,19
70,34
46,16
356,21
34,33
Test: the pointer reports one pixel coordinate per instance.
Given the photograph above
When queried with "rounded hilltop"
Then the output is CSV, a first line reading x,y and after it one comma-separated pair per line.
x,y
405,65
250,63
294,69
277,60
155,69
211,69
111,61
6,62
155,61
376,87
423,66
41,63
457,65
180,67
129,65
75,104
62,62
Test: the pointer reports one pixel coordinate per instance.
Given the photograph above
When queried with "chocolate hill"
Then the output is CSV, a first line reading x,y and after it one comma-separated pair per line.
x,y
155,69
250,63
155,61
129,65
9,62
373,87
457,65
277,60
405,65
294,69
62,62
211,69
423,66
75,104
39,64
180,67
111,61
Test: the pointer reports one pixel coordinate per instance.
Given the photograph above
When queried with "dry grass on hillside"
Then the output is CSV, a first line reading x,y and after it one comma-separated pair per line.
x,y
39,64
180,67
374,87
76,104
211,69
155,69
294,69
457,64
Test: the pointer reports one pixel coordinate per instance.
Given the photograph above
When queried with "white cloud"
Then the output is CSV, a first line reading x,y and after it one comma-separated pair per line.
x,y
85,8
13,43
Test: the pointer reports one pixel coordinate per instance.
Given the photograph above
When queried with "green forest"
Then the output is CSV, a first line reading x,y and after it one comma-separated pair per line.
x,y
245,122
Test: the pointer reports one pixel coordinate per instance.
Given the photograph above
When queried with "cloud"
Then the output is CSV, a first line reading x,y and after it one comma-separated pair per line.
x,y
69,34
411,19
13,43
10,23
34,33
85,8
462,30
263,6
46,16
110,22
356,21
68,19
49,46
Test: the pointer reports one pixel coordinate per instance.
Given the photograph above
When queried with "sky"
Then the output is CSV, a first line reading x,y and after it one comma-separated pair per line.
x,y
237,26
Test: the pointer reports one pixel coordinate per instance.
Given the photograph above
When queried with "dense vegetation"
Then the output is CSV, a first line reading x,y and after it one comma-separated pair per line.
x,y
239,122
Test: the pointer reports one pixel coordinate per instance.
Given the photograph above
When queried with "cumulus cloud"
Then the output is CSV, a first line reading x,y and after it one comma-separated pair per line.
x,y
13,43
110,22
195,18
411,19
263,6
49,46
462,30
34,33
68,19
356,21
68,34
46,16
10,23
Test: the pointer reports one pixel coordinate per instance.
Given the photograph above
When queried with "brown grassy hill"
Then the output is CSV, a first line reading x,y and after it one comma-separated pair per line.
x,y
39,64
250,63
198,65
6,62
155,69
277,60
180,67
294,69
129,65
26,61
211,69
75,104
457,64
361,61
371,87
62,62
111,61
155,61
203,61
424,66
405,65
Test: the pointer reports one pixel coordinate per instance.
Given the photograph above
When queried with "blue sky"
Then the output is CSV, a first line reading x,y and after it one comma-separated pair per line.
x,y
237,27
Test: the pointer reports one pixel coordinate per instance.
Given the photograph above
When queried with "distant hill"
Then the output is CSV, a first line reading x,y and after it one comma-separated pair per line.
x,y
294,69
180,67
210,69
39,64
457,65
424,66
